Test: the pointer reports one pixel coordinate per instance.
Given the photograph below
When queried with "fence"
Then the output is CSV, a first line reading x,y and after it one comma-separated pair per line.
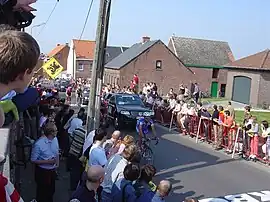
x,y
235,139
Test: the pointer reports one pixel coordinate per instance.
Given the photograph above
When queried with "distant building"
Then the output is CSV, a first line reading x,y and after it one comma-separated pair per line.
x,y
60,53
206,58
248,79
81,57
152,61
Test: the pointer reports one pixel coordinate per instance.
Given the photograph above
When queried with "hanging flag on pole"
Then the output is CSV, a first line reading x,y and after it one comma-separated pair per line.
x,y
52,68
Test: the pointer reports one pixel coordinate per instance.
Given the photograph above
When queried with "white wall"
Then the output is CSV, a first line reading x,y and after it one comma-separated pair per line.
x,y
71,61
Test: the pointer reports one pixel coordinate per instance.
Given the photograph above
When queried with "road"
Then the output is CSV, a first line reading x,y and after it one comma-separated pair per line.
x,y
195,170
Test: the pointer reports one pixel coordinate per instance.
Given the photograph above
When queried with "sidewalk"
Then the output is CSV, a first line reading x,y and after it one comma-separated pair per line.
x,y
28,187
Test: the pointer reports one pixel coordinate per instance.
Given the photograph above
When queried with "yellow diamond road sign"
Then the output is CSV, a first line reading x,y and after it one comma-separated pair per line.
x,y
52,68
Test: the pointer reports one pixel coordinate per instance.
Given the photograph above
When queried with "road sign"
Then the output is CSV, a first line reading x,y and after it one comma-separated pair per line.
x,y
52,68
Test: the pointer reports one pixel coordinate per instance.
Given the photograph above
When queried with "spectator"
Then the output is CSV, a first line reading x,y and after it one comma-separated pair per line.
x,y
16,74
228,124
266,134
97,155
45,155
196,92
87,191
128,140
114,169
144,186
254,139
75,152
110,143
123,189
231,110
217,137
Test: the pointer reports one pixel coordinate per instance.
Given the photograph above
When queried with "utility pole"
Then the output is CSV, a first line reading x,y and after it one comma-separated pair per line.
x,y
98,67
101,73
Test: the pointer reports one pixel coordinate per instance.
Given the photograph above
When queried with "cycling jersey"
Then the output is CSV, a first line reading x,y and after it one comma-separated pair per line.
x,y
145,124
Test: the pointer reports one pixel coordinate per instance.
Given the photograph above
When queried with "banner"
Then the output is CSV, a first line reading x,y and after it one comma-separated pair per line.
x,y
52,68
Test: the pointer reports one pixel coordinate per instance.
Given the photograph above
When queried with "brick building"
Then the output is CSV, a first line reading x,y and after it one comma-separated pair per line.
x,y
248,79
206,58
153,61
60,53
81,56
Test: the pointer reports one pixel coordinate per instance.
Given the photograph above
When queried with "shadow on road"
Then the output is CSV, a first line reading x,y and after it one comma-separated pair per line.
x,y
173,157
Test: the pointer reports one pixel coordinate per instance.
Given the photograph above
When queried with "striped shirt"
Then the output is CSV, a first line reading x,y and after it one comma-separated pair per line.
x,y
7,191
77,143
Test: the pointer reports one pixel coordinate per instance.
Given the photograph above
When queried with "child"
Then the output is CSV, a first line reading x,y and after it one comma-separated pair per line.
x,y
254,139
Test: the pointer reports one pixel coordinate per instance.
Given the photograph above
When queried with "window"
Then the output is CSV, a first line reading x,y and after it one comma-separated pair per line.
x,y
158,64
215,73
80,67
112,100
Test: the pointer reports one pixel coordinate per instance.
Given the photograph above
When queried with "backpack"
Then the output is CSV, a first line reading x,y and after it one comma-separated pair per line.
x,y
140,190
124,190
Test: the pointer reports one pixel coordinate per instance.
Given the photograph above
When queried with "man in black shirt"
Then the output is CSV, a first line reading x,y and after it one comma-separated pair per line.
x,y
87,192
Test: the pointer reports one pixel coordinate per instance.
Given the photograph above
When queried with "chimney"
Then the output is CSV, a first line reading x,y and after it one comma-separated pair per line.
x,y
145,39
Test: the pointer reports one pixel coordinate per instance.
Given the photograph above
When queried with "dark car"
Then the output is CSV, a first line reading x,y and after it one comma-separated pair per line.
x,y
126,109
85,96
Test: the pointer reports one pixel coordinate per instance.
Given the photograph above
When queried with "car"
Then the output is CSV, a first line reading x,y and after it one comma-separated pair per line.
x,y
125,109
85,96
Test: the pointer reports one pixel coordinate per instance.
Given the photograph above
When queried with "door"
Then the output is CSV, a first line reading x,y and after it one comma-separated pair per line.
x,y
241,89
214,89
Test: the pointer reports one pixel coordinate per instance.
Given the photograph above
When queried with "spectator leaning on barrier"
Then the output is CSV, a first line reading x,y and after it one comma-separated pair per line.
x,y
253,133
266,134
228,125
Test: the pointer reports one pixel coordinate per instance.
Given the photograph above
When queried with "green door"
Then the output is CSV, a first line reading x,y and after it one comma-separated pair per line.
x,y
214,89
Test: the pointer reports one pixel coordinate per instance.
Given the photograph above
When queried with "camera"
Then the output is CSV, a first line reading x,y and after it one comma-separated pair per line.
x,y
19,19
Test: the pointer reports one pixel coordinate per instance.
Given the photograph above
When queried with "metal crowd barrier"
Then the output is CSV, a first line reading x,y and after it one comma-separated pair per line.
x,y
202,129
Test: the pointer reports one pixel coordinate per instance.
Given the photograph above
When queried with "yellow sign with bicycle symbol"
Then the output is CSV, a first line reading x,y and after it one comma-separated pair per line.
x,y
52,68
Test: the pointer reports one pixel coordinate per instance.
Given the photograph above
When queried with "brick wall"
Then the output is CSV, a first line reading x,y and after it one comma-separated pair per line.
x,y
86,71
264,95
62,56
172,74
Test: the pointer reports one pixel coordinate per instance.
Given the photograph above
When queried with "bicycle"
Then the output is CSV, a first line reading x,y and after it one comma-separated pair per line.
x,y
146,151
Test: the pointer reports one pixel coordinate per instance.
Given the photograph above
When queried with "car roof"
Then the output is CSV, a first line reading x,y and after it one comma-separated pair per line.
x,y
125,94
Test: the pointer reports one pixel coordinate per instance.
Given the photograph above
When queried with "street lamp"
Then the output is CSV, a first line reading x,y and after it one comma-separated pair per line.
x,y
38,25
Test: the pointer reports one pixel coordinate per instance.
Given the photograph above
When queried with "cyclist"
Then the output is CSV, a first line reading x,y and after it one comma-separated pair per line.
x,y
142,128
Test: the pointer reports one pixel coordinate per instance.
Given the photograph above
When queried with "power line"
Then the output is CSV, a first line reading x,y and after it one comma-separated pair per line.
x,y
86,19
48,18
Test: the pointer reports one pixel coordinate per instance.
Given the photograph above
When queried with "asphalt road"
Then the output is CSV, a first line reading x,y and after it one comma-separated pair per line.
x,y
195,170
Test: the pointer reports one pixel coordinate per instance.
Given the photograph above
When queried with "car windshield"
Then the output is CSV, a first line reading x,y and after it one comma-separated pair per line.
x,y
128,100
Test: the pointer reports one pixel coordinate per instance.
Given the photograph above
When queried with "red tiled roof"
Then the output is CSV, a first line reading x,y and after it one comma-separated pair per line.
x,y
84,48
56,50
259,60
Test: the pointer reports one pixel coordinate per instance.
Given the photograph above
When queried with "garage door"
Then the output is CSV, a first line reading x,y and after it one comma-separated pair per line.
x,y
241,89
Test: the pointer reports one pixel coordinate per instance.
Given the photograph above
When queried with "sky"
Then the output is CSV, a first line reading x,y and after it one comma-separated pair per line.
x,y
244,24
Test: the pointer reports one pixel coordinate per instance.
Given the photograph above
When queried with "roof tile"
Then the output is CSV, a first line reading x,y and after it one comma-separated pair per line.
x,y
84,48
56,50
128,55
201,51
260,60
